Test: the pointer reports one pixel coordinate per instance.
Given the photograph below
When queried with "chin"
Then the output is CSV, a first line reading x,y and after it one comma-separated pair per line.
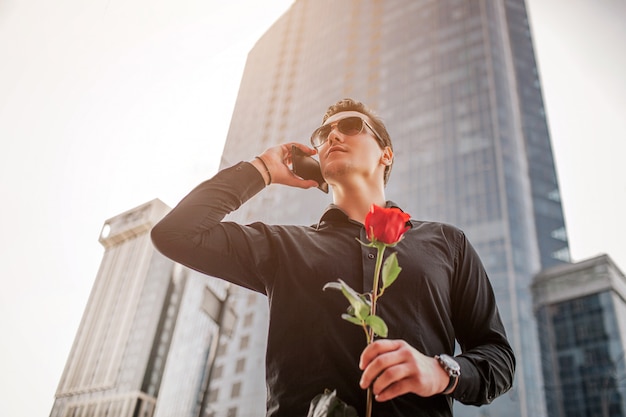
x,y
332,172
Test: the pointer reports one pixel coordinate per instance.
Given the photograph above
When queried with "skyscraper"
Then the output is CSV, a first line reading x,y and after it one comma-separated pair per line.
x,y
579,309
456,83
148,333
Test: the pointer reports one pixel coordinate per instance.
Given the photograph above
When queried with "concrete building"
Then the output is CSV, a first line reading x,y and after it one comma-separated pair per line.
x,y
581,313
456,83
238,380
149,331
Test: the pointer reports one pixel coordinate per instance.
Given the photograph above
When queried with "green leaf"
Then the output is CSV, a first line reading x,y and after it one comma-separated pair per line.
x,y
332,286
350,310
378,325
391,270
366,298
356,300
352,319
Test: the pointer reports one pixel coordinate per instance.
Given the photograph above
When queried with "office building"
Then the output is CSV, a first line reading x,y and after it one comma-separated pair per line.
x,y
149,331
238,380
456,83
580,310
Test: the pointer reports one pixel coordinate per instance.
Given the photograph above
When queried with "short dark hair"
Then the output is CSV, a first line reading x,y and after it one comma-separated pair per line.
x,y
348,104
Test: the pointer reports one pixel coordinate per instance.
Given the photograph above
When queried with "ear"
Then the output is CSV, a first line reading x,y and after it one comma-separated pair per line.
x,y
387,156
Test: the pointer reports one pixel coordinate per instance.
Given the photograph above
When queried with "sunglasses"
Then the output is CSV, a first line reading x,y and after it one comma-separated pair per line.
x,y
350,126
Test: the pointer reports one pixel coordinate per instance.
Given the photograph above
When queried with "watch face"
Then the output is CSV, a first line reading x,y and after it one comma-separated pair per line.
x,y
450,364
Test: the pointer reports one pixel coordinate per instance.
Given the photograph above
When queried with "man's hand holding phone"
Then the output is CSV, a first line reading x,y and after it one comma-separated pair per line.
x,y
274,162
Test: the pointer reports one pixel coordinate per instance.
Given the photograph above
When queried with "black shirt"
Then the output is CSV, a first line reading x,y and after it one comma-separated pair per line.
x,y
442,294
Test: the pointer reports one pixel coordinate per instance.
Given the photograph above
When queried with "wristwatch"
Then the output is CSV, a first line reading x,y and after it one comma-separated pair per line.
x,y
451,367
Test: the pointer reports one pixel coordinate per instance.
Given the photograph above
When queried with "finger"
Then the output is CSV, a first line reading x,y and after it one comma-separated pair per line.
x,y
303,148
278,159
300,183
383,369
377,348
390,376
393,390
287,151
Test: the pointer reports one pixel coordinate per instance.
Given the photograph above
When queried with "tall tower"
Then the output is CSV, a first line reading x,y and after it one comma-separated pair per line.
x,y
580,309
108,367
149,331
456,83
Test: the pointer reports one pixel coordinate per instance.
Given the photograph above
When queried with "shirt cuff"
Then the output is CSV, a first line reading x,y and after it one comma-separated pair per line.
x,y
470,388
248,180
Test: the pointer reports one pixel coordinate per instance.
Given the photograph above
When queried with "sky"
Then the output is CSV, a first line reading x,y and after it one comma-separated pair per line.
x,y
107,104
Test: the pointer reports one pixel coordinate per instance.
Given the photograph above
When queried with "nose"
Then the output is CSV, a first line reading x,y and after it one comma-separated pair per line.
x,y
334,135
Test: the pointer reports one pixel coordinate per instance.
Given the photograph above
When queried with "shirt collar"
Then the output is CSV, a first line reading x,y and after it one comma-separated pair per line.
x,y
334,213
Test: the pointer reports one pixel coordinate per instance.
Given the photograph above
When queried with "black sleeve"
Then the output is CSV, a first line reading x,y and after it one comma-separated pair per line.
x,y
194,234
487,360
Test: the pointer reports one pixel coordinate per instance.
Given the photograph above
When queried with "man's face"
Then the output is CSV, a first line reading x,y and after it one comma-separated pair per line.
x,y
354,154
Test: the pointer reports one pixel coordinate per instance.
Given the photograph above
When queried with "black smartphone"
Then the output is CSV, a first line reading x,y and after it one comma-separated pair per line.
x,y
307,168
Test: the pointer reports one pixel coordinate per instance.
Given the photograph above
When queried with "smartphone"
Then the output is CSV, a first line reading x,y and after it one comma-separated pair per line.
x,y
307,168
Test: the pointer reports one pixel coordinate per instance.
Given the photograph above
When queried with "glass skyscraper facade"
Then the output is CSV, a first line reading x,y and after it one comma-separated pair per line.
x,y
580,310
456,83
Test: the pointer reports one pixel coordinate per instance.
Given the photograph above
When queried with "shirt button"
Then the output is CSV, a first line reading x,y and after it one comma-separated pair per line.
x,y
370,255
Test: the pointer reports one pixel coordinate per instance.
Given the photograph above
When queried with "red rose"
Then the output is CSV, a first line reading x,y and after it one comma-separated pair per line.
x,y
386,225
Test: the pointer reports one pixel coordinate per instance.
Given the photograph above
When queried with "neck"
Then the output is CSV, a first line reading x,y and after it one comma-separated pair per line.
x,y
357,199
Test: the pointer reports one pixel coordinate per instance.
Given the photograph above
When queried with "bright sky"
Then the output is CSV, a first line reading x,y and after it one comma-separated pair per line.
x,y
107,104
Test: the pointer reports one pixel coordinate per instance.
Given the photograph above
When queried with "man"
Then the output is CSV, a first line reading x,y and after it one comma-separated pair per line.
x,y
442,294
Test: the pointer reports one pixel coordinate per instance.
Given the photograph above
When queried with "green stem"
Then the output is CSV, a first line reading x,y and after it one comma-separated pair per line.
x,y
365,329
375,287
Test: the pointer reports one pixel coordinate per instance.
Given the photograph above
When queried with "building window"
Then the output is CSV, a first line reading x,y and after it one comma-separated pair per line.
x,y
245,342
235,390
562,254
251,299
218,371
248,319
232,412
240,366
559,234
213,394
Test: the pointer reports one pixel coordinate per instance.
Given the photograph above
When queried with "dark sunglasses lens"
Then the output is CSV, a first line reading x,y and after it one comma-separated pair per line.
x,y
350,126
320,135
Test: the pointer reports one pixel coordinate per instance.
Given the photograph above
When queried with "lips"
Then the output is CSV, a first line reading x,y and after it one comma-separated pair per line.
x,y
335,148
